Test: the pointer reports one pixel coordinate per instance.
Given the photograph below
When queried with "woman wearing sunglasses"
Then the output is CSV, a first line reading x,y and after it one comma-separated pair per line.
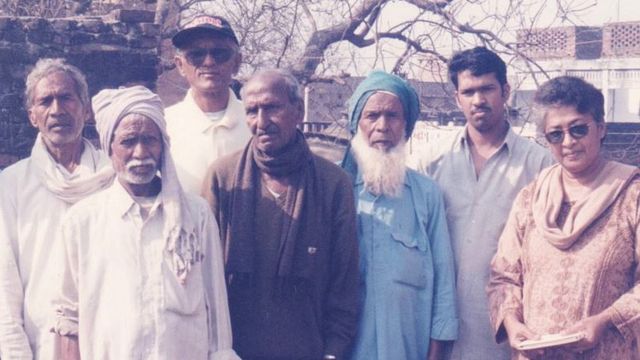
x,y
567,261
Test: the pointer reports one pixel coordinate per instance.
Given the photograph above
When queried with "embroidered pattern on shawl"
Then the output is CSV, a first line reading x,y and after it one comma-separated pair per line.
x,y
552,288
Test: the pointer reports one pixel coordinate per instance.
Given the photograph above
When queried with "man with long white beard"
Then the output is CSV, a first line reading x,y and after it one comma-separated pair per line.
x,y
406,261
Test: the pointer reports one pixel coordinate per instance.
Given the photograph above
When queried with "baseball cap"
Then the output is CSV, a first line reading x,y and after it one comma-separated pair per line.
x,y
203,24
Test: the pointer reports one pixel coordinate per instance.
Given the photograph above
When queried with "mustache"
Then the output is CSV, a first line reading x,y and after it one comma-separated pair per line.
x,y
144,162
480,108
60,120
266,131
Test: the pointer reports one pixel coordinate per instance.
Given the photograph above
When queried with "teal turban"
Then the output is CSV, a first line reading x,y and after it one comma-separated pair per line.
x,y
382,81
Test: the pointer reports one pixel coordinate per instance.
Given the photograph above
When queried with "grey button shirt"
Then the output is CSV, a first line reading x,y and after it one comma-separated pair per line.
x,y
477,208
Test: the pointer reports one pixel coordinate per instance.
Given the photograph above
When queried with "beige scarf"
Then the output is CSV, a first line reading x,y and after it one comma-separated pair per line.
x,y
85,180
548,196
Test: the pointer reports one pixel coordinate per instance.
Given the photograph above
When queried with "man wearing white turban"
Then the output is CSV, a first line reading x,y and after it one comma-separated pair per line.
x,y
143,272
34,194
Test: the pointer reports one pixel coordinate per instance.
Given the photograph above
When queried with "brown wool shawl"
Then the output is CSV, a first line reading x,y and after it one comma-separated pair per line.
x,y
298,240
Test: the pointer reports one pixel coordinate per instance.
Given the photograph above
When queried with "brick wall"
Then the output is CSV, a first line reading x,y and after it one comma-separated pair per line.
x,y
621,39
570,42
114,50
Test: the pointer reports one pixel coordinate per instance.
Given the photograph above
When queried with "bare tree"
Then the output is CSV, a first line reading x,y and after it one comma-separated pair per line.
x,y
318,39
325,40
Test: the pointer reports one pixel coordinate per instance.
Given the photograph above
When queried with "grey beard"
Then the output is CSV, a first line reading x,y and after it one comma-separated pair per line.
x,y
383,172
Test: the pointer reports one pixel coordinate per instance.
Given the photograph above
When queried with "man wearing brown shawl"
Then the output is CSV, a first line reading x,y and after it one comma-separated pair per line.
x,y
287,220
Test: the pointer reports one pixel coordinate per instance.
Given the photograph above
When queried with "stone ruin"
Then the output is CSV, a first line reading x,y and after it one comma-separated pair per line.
x,y
113,50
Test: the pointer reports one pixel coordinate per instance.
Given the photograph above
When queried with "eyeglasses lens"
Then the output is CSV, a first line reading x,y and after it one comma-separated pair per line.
x,y
196,57
575,131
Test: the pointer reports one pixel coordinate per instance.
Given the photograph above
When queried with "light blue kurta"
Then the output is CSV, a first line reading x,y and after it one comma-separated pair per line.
x,y
406,263
477,209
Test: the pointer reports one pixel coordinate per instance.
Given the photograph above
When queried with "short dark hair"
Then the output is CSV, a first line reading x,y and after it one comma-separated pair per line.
x,y
571,91
479,61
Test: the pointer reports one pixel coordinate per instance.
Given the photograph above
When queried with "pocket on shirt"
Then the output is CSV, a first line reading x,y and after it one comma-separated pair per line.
x,y
410,254
187,298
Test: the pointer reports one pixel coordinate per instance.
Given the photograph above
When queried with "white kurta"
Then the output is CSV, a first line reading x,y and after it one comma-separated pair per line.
x,y
29,217
119,293
196,141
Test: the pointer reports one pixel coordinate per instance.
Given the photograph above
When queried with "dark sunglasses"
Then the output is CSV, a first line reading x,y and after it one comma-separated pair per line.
x,y
197,56
575,131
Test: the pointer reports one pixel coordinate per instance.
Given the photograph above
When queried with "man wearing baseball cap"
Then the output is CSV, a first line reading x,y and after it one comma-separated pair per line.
x,y
210,121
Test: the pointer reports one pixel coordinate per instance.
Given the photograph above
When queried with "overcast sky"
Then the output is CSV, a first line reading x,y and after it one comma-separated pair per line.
x,y
612,11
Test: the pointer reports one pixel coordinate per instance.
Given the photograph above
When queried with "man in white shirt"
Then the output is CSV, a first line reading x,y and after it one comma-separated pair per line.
x,y
142,266
210,121
34,194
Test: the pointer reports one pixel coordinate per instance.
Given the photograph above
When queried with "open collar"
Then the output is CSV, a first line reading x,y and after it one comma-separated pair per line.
x,y
508,143
234,111
122,202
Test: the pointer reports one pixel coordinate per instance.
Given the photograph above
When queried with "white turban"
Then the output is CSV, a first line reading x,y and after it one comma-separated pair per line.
x,y
110,106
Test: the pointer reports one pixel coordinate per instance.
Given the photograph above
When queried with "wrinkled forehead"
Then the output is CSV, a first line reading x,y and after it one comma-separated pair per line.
x,y
58,82
137,124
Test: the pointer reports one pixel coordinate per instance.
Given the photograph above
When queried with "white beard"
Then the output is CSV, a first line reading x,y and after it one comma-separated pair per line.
x,y
139,179
383,172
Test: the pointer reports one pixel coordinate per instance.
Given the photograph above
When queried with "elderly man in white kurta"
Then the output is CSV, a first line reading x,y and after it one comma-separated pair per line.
x,y
34,194
143,270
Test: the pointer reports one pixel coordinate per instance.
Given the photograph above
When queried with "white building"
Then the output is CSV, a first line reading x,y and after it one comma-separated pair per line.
x,y
607,57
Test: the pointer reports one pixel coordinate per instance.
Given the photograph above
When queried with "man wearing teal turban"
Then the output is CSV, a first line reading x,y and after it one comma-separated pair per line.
x,y
380,81
408,304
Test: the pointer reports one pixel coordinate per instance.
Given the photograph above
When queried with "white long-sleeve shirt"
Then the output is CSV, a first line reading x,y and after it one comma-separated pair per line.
x,y
29,217
119,293
196,141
